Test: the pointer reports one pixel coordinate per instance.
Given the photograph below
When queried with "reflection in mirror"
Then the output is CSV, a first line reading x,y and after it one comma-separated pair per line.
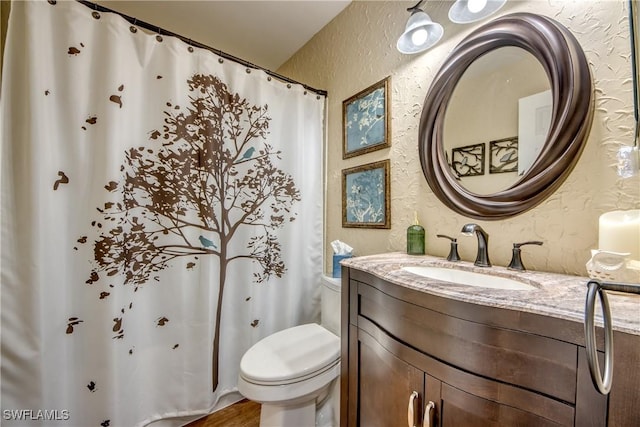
x,y
502,103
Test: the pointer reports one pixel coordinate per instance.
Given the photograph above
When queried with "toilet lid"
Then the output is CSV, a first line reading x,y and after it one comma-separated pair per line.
x,y
290,354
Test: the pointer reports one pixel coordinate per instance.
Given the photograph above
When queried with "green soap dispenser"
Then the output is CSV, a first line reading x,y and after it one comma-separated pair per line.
x,y
415,238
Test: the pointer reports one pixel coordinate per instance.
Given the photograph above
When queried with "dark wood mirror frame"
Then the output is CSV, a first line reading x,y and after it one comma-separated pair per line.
x,y
568,71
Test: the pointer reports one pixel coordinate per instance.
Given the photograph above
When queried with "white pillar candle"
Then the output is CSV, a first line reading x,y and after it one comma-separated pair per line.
x,y
620,232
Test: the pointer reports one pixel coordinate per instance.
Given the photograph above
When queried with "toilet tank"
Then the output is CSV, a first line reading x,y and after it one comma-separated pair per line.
x,y
330,304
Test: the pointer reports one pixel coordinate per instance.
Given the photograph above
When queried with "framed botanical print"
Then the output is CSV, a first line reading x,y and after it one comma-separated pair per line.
x,y
365,196
365,120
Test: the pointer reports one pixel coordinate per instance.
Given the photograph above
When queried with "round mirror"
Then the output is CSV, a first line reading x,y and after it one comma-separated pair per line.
x,y
506,117
497,120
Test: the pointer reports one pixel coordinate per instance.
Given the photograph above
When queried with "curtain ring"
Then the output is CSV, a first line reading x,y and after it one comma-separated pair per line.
x,y
190,48
220,60
248,70
133,28
95,12
52,2
288,85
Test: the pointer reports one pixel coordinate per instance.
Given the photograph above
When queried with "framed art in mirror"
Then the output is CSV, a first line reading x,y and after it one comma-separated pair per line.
x,y
365,120
365,196
468,161
503,155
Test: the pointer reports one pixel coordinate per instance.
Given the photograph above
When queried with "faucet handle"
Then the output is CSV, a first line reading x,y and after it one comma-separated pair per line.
x,y
532,242
516,257
453,252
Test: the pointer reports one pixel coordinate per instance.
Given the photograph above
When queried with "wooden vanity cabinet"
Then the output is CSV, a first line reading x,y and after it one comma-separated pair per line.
x,y
472,365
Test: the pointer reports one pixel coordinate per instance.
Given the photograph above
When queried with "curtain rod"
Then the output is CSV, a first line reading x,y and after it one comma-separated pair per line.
x,y
162,31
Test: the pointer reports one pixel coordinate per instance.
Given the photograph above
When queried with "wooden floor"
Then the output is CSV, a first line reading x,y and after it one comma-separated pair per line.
x,y
242,414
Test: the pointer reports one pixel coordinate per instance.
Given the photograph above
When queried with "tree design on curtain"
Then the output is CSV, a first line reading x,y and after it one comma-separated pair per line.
x,y
212,175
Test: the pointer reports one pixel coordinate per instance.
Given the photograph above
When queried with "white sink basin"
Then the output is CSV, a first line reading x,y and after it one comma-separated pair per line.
x,y
469,278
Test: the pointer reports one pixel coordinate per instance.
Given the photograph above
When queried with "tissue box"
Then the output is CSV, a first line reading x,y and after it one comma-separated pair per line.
x,y
337,272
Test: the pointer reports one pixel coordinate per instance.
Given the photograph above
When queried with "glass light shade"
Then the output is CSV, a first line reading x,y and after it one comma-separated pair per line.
x,y
476,6
414,39
461,14
419,36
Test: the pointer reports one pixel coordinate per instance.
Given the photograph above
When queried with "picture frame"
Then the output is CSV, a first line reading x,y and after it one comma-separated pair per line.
x,y
503,155
468,160
365,120
365,196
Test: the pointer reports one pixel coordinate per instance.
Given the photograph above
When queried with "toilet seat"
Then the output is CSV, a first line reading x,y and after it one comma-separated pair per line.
x,y
291,355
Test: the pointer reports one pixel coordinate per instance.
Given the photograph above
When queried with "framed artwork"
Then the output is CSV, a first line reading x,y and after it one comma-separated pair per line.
x,y
503,155
365,120
365,196
468,161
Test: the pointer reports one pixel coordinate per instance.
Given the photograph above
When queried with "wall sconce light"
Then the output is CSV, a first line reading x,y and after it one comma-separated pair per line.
x,y
420,33
466,11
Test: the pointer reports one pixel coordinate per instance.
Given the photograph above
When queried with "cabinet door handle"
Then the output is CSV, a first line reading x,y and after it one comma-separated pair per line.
x,y
603,385
411,410
428,410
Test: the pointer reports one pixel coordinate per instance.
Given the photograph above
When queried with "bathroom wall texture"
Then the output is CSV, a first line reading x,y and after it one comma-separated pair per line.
x,y
358,48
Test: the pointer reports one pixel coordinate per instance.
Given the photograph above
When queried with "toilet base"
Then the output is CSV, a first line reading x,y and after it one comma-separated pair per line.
x,y
323,411
328,409
302,415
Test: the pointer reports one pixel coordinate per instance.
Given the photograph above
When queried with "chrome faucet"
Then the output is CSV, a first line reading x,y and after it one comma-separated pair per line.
x,y
482,259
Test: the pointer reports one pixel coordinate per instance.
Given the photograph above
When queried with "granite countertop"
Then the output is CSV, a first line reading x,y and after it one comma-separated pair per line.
x,y
557,295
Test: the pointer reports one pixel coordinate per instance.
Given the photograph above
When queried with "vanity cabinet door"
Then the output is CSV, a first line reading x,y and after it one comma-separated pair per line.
x,y
386,385
388,372
462,399
460,408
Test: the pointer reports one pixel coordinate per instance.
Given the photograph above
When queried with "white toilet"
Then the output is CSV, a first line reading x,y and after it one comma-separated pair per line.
x,y
293,373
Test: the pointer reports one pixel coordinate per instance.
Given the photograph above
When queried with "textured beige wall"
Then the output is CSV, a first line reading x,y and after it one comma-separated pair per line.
x,y
358,48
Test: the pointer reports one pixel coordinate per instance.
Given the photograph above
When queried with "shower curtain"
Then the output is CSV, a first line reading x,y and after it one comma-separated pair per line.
x,y
161,211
